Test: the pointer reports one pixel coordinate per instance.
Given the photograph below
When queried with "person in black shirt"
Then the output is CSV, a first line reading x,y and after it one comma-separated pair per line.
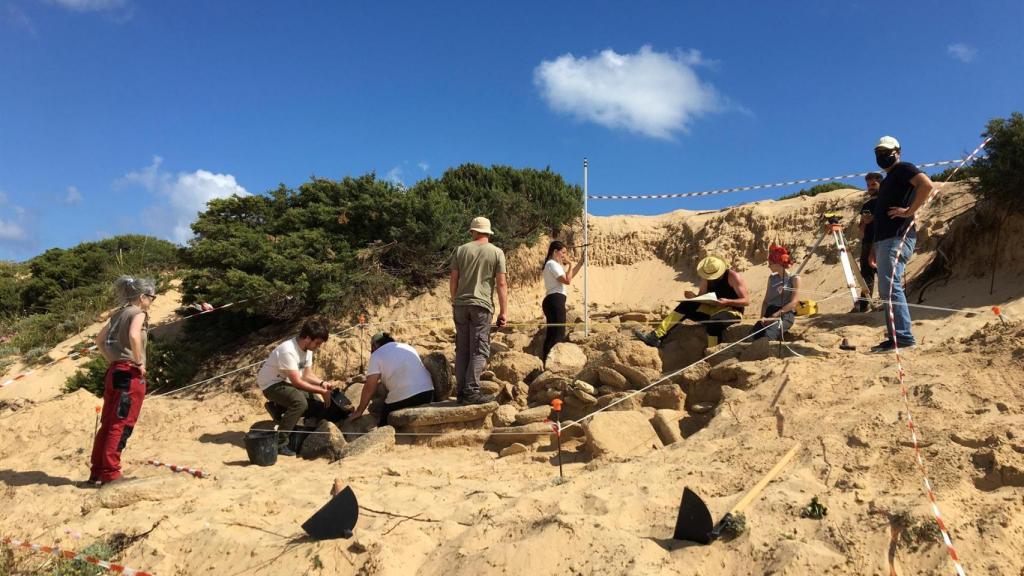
x,y
903,191
731,295
867,235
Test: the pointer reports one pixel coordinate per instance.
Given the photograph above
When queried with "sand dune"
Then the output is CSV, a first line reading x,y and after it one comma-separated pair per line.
x,y
474,513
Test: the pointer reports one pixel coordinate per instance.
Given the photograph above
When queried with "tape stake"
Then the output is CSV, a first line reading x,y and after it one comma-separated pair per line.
x,y
175,468
71,555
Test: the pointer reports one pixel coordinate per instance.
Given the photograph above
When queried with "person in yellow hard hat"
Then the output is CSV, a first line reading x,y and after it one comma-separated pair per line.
x,y
727,309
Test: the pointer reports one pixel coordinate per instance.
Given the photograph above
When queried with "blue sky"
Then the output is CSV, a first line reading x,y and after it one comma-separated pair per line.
x,y
125,116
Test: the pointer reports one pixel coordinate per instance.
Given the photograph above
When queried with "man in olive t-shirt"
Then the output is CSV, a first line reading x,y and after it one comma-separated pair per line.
x,y
477,269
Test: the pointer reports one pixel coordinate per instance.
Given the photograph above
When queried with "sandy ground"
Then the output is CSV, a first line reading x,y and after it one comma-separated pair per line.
x,y
466,511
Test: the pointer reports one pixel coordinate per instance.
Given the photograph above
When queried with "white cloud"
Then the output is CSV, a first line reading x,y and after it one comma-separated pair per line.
x,y
652,93
19,18
424,165
92,5
395,176
73,196
962,52
11,231
181,197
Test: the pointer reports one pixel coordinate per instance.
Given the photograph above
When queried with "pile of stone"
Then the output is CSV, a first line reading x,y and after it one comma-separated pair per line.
x,y
608,372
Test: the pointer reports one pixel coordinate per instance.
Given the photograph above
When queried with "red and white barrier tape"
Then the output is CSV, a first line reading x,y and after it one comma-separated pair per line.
x,y
175,468
71,356
72,555
891,319
749,188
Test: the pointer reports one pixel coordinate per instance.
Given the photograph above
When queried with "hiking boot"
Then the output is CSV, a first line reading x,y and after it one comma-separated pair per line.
x,y
649,338
477,398
284,450
889,346
275,411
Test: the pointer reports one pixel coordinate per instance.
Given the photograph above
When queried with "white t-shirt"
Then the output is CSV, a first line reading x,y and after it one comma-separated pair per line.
x,y
552,271
286,357
401,371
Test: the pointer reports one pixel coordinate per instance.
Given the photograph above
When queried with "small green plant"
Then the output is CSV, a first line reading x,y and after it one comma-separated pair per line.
x,y
815,510
734,526
318,564
926,394
90,376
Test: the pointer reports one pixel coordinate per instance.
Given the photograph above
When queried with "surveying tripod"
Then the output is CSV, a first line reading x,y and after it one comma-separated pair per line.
x,y
853,280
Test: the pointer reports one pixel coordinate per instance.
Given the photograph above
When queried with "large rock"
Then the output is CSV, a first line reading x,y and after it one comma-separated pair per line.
x,y
127,492
531,415
665,396
441,374
618,435
440,413
725,372
620,401
637,377
490,387
757,350
377,442
635,354
505,415
666,424
693,374
356,428
566,358
525,434
326,442
611,378
515,366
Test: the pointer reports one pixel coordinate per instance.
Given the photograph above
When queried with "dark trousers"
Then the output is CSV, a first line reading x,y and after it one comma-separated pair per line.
x,y
554,313
721,319
866,272
123,392
775,332
472,347
425,397
301,404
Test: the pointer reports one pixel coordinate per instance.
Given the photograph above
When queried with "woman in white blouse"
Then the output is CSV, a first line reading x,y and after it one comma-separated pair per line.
x,y
555,281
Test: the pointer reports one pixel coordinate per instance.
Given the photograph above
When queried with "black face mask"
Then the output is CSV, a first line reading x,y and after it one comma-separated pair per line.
x,y
885,158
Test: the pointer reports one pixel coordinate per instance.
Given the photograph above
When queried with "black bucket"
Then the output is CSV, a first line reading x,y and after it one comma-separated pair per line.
x,y
261,447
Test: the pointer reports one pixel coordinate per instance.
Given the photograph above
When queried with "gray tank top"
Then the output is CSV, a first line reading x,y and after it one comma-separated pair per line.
x,y
780,289
118,345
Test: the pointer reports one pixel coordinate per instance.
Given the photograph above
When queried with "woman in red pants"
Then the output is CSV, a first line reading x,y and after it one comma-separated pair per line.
x,y
123,342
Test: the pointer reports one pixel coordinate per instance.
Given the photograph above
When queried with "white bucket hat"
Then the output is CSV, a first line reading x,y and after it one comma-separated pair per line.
x,y
481,225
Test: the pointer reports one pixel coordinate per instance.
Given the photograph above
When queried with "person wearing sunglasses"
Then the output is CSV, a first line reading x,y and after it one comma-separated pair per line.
x,y
123,343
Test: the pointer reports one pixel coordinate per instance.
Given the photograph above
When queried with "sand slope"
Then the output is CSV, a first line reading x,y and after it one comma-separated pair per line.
x,y
474,513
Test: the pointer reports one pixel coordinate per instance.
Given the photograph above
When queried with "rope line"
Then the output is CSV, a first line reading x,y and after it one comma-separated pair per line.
x,y
901,372
754,187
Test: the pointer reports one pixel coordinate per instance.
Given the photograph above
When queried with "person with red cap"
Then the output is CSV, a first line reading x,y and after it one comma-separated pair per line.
x,y
781,298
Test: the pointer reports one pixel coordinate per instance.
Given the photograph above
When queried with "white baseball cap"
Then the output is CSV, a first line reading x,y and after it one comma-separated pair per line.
x,y
888,142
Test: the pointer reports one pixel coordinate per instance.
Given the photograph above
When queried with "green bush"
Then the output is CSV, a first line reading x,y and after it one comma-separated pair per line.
x,y
61,291
89,376
820,189
338,245
1000,172
951,174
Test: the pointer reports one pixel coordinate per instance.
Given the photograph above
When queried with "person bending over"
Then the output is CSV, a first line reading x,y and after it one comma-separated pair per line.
x,y
396,366
732,297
